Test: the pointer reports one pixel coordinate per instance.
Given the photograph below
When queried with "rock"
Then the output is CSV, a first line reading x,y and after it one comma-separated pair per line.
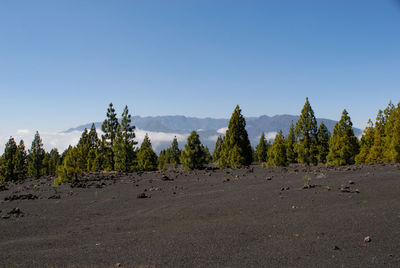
x,y
336,248
21,197
16,212
142,195
327,188
166,178
351,182
118,265
367,239
269,178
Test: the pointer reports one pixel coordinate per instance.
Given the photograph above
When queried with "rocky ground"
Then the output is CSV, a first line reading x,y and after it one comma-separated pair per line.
x,y
251,217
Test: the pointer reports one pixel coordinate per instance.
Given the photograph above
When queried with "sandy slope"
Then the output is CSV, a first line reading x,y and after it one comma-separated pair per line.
x,y
250,217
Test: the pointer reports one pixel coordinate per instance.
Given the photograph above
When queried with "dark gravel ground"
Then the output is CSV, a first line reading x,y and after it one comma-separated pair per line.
x,y
251,217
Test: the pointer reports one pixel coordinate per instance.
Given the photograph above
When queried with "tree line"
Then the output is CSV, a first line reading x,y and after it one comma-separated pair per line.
x,y
116,149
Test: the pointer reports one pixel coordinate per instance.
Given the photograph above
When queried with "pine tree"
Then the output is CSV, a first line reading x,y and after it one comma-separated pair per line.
x,y
94,144
146,157
218,149
36,157
7,162
306,132
109,127
291,145
162,160
323,137
174,153
392,115
70,169
207,155
83,148
123,148
21,168
236,149
367,141
194,156
343,145
54,162
261,150
393,153
277,154
376,153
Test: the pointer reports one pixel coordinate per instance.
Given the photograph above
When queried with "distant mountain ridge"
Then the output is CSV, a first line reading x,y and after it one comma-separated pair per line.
x,y
210,128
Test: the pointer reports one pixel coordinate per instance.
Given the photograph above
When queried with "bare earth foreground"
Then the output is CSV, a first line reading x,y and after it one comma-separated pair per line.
x,y
251,217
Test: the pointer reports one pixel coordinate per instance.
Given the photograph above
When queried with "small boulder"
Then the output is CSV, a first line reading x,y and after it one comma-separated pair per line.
x,y
367,239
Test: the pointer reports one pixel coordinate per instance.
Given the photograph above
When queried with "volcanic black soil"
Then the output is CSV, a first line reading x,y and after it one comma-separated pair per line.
x,y
250,217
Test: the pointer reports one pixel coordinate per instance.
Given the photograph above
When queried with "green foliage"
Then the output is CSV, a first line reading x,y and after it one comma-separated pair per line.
x,y
277,154
70,169
207,154
174,153
218,148
381,143
367,141
8,161
146,157
343,145
109,127
123,148
195,155
306,132
35,157
291,145
376,153
236,148
83,148
323,137
53,162
21,165
162,160
261,152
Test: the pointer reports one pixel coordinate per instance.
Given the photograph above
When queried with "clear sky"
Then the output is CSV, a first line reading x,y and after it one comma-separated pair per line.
x,y
62,62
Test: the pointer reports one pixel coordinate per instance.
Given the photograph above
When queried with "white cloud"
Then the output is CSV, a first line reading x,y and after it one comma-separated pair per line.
x,y
222,130
213,138
61,140
271,135
157,138
23,131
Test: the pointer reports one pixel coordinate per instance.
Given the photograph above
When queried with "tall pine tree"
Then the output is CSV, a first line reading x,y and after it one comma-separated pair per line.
x,y
174,153
146,157
217,150
306,132
277,154
123,148
236,149
291,145
21,168
194,156
323,137
262,149
7,161
367,141
109,127
343,145
35,157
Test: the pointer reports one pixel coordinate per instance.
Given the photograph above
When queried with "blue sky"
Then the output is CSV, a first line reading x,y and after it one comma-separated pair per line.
x,y
62,62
